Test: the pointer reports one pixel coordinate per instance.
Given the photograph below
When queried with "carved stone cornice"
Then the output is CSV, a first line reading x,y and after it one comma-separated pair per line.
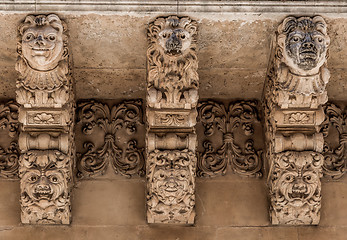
x,y
230,137
9,153
122,129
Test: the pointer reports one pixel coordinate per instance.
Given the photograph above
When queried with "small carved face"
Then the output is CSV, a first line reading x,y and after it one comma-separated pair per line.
x,y
42,47
304,42
298,186
174,42
171,185
44,184
306,48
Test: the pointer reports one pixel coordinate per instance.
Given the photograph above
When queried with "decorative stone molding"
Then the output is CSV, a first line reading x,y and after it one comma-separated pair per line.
x,y
172,95
45,187
229,137
335,139
9,153
122,127
294,93
45,93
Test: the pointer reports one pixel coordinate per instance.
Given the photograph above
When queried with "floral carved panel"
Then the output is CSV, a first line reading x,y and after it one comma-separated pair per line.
x,y
110,135
9,151
335,140
229,138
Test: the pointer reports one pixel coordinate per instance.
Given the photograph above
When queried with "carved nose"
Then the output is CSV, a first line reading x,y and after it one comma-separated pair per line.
x,y
173,42
299,186
308,45
39,41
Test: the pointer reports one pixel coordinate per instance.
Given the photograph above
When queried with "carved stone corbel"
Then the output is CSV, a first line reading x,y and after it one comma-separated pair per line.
x,y
45,93
294,94
172,95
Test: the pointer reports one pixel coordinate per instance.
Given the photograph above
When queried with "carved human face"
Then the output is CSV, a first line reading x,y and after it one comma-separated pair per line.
x,y
172,184
305,44
174,42
44,184
42,47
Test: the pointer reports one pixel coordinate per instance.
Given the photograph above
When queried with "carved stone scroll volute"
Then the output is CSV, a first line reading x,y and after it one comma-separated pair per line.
x,y
172,95
294,94
45,93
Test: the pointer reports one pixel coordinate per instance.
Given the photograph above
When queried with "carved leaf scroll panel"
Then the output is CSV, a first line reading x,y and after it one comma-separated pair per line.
x,y
110,135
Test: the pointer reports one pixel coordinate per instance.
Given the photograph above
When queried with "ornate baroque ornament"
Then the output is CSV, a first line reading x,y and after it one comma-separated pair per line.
x,y
294,93
229,139
45,93
9,152
122,129
172,95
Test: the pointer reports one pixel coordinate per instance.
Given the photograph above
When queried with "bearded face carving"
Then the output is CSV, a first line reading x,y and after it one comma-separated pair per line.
x,y
303,43
44,187
295,187
171,186
43,41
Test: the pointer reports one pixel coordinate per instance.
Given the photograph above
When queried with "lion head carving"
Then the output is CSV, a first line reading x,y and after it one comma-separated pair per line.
x,y
303,43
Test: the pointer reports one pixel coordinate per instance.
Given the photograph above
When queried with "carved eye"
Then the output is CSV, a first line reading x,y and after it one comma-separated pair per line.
x,y
29,37
289,178
161,175
320,40
53,179
295,39
308,178
33,178
52,38
164,35
183,36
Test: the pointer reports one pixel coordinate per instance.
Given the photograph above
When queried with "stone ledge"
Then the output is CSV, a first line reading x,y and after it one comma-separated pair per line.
x,y
172,6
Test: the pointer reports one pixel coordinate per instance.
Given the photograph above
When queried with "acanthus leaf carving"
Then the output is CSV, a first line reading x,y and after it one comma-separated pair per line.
x,y
9,154
334,152
238,120
127,117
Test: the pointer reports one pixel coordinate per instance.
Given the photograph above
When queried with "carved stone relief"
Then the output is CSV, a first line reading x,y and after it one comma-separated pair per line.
x,y
229,137
110,136
9,152
295,187
171,185
335,139
45,187
45,93
294,94
172,95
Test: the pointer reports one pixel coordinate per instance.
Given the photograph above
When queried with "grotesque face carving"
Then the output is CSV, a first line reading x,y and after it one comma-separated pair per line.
x,y
172,179
173,36
303,43
42,41
298,176
44,177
